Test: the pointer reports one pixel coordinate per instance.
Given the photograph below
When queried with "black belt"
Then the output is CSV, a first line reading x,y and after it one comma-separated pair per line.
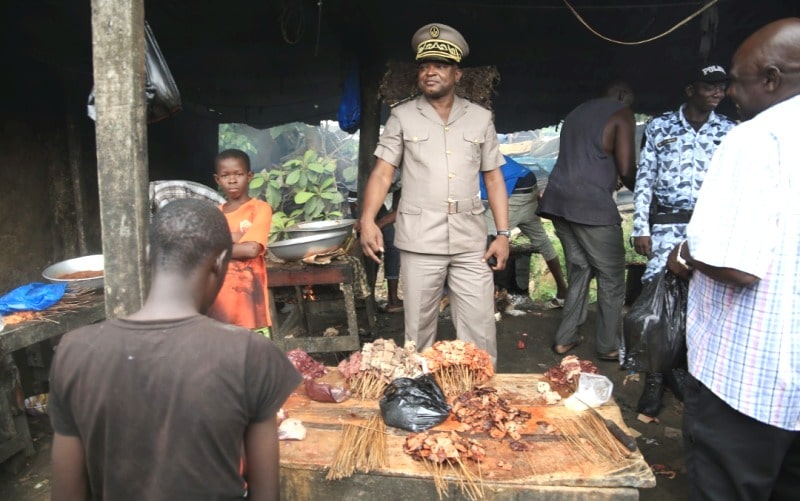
x,y
676,217
527,189
665,209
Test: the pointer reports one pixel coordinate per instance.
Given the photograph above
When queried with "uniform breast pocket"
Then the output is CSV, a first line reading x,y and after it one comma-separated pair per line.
x,y
414,143
473,144
409,222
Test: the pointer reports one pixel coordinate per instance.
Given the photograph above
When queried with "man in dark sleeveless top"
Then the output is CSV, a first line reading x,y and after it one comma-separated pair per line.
x,y
597,147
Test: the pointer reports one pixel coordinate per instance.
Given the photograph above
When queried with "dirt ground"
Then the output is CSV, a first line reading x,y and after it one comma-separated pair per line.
x,y
28,479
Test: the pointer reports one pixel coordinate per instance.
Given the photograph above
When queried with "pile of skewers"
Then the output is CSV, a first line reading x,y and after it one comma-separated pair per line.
x,y
369,371
458,366
446,452
73,299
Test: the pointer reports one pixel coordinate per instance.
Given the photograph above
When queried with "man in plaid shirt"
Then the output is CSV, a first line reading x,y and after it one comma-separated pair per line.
x,y
742,401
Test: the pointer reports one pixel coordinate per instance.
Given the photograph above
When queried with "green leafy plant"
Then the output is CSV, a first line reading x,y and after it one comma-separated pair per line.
x,y
631,256
302,189
301,169
232,136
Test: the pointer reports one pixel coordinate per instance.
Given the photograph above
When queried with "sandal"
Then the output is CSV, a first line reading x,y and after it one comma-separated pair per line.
x,y
563,349
393,308
611,356
554,304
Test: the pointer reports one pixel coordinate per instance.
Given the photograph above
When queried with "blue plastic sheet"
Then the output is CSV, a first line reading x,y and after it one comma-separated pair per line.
x,y
31,297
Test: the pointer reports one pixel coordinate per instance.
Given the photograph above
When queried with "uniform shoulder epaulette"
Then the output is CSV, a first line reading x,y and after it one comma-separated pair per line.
x,y
663,116
409,98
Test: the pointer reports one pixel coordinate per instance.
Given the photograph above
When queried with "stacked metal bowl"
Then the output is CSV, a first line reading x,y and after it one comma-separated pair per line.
x,y
312,238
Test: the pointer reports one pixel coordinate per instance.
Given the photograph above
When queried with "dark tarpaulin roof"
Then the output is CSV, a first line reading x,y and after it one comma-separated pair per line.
x,y
268,62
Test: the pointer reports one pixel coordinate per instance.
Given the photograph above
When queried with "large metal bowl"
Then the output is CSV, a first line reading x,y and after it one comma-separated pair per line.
x,y
54,272
295,249
315,227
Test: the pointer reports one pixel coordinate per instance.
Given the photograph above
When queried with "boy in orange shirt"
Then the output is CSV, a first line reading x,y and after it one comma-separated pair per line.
x,y
243,298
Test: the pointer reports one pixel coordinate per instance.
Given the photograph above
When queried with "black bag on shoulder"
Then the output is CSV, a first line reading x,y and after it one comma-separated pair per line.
x,y
414,404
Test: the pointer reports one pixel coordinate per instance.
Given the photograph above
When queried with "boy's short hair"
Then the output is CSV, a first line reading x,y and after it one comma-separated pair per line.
x,y
234,153
185,232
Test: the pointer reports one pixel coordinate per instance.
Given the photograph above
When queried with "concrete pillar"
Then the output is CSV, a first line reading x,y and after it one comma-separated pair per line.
x,y
118,49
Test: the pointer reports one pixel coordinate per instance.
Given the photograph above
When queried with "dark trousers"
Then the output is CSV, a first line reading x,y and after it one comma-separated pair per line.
x,y
592,251
731,456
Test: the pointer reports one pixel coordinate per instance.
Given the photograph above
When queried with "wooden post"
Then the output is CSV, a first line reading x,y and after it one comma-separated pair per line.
x,y
118,49
64,226
369,128
74,154
367,141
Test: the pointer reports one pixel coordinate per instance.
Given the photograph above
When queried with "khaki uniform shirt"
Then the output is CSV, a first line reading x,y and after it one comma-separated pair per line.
x,y
441,211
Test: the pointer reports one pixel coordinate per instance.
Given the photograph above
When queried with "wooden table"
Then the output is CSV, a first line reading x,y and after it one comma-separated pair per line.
x,y
16,337
14,433
299,274
549,472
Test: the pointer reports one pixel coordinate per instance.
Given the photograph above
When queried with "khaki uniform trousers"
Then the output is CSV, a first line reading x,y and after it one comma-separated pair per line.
x,y
471,293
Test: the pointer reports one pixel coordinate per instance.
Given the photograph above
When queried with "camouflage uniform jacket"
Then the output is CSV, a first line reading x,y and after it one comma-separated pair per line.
x,y
672,166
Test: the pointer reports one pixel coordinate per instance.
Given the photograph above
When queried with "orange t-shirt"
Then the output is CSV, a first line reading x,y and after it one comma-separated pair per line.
x,y
243,298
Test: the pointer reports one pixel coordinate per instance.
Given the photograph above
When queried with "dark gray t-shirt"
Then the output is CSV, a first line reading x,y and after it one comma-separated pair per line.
x,y
580,188
161,407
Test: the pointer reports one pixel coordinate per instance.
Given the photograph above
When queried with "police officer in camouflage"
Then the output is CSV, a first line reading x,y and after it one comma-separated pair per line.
x,y
677,150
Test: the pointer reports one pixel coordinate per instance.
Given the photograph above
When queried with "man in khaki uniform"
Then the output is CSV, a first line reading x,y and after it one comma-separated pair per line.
x,y
441,142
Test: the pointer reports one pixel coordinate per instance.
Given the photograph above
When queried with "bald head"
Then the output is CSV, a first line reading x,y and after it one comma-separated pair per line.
x,y
619,91
766,67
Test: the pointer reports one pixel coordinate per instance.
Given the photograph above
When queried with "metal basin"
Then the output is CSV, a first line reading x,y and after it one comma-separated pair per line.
x,y
54,272
315,227
294,249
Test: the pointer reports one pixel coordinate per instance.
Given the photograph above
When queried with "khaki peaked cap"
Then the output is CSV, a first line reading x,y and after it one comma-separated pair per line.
x,y
439,42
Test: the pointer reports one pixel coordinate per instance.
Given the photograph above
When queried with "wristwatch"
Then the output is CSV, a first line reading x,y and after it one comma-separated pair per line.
x,y
504,233
680,259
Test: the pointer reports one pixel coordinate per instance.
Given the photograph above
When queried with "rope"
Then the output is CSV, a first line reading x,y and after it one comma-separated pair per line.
x,y
319,26
289,14
620,42
671,4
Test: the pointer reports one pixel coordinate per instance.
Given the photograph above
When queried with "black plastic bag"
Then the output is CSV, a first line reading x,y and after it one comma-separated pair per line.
x,y
654,331
414,404
161,92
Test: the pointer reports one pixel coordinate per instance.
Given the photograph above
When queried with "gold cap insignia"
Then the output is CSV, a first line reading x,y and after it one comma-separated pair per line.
x,y
440,42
